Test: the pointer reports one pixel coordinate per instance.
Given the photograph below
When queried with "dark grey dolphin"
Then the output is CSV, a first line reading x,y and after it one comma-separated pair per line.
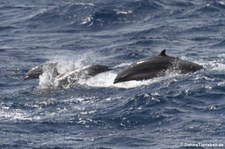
x,y
80,73
155,67
93,70
36,71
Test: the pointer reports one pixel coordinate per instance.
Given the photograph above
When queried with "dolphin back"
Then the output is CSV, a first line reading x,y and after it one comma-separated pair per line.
x,y
155,67
36,71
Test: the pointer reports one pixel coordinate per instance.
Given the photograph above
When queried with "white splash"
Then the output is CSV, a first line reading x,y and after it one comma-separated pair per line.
x,y
107,79
221,2
124,12
64,65
87,20
17,115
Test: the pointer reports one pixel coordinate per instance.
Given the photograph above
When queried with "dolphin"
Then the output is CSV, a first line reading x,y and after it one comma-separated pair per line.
x,y
90,70
81,73
36,71
155,67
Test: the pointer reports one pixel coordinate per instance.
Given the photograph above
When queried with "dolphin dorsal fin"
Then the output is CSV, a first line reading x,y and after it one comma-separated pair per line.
x,y
163,53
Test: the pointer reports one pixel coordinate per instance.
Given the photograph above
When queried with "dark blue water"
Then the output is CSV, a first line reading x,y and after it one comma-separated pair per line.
x,y
166,112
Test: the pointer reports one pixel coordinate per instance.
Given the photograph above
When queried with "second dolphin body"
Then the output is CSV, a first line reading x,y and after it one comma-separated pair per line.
x,y
155,67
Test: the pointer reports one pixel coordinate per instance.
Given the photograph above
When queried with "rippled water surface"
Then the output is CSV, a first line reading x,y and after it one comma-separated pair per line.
x,y
165,112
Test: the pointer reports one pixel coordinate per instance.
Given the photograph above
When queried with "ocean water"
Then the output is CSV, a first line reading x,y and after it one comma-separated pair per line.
x,y
174,111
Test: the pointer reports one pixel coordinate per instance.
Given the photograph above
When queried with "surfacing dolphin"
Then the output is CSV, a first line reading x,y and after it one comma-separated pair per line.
x,y
155,67
80,73
88,71
36,71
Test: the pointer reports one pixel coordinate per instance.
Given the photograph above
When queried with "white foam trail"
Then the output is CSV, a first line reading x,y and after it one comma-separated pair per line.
x,y
17,115
123,12
107,79
85,4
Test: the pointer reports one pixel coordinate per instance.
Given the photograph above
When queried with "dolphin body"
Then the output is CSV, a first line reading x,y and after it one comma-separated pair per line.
x,y
80,73
36,71
88,71
155,67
